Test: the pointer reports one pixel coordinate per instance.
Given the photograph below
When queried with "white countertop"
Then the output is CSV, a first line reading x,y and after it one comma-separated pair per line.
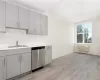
x,y
4,50
5,47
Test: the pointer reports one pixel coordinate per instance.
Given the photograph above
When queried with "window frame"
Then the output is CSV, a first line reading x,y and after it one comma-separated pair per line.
x,y
83,22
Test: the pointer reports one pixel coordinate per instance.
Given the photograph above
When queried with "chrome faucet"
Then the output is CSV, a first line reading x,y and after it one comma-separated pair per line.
x,y
17,43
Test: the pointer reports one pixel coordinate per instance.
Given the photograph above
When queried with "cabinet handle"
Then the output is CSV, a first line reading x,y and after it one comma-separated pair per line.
x,y
4,61
19,25
35,32
38,55
48,47
21,58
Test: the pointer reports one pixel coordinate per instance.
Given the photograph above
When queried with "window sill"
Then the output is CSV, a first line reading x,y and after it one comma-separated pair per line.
x,y
83,43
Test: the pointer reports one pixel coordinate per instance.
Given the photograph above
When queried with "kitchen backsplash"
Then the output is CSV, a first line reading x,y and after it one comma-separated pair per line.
x,y
11,35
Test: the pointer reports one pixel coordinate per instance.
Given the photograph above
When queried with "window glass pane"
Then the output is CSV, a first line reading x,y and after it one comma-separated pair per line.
x,y
79,38
87,38
87,33
87,28
79,28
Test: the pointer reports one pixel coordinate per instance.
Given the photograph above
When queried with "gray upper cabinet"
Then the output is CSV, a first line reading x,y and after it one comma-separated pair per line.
x,y
2,16
32,28
11,15
34,23
23,18
38,24
44,24
14,16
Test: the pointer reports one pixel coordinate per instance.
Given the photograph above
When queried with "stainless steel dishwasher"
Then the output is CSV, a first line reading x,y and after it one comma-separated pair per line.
x,y
38,57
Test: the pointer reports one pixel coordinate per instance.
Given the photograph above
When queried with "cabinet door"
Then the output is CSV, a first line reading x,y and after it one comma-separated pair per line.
x,y
34,23
48,54
26,63
37,24
2,16
2,68
13,66
44,24
23,18
11,15
32,28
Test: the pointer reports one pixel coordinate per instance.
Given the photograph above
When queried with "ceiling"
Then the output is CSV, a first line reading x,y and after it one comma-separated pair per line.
x,y
44,5
79,10
72,10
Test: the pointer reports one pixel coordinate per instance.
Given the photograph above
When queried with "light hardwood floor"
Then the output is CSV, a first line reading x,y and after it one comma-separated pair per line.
x,y
71,67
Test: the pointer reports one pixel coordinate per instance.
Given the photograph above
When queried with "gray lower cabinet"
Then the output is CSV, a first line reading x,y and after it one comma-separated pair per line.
x,y
2,16
2,68
18,64
41,57
13,66
25,62
48,54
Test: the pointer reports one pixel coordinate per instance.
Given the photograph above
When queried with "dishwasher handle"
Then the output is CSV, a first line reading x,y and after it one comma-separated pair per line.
x,y
36,48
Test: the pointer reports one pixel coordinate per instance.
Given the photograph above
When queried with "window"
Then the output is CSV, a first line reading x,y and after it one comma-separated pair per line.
x,y
84,33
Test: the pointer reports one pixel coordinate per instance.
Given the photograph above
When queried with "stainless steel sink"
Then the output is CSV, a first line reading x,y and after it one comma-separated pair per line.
x,y
17,46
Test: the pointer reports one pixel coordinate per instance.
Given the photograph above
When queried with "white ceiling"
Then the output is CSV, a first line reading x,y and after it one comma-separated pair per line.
x,y
78,10
73,10
41,4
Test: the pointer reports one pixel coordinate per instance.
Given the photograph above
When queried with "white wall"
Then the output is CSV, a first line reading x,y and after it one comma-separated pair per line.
x,y
95,47
60,36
